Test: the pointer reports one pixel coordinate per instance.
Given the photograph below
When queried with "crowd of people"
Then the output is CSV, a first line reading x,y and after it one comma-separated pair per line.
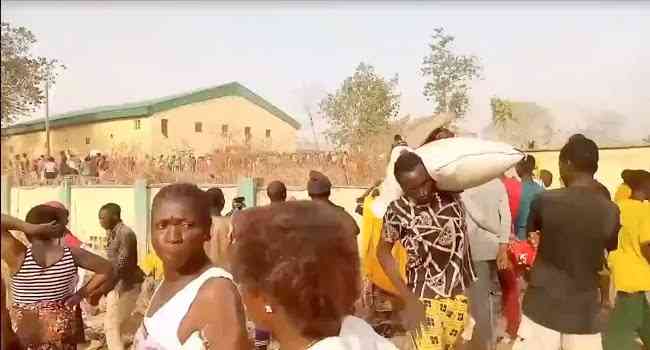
x,y
217,167
294,270
50,170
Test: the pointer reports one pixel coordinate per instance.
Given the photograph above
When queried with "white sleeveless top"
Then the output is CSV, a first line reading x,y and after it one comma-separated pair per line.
x,y
160,331
355,334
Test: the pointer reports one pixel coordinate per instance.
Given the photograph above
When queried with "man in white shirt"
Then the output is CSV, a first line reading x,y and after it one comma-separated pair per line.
x,y
488,229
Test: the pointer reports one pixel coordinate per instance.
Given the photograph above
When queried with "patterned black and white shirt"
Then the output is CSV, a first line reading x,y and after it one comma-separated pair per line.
x,y
435,238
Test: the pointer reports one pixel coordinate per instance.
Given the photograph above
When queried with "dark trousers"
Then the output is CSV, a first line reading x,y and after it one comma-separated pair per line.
x,y
481,301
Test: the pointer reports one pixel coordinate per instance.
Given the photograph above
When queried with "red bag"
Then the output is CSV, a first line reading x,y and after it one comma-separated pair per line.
x,y
522,253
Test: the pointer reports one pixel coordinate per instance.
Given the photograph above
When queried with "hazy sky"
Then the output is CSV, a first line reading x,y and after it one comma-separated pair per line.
x,y
593,55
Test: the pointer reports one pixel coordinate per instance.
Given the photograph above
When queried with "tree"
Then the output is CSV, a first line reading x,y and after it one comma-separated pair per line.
x,y
501,112
449,74
362,108
647,139
605,127
523,124
23,74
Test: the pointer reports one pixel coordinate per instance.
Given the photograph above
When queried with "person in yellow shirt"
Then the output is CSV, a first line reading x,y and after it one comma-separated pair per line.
x,y
630,265
152,266
623,191
379,294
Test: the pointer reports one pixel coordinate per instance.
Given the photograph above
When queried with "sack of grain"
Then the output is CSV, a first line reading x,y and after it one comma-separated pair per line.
x,y
455,164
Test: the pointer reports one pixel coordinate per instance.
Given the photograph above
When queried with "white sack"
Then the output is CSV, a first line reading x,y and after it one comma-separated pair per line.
x,y
389,187
455,164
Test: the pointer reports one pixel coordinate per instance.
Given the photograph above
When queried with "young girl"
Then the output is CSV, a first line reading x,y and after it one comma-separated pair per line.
x,y
298,268
45,303
197,306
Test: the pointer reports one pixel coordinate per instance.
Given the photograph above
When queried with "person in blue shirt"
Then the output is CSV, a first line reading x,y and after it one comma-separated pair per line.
x,y
530,189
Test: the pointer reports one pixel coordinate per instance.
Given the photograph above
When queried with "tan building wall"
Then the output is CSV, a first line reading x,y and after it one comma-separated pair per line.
x,y
232,113
81,139
32,144
236,113
611,164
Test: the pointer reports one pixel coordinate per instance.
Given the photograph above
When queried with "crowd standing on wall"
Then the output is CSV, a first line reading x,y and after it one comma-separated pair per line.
x,y
216,167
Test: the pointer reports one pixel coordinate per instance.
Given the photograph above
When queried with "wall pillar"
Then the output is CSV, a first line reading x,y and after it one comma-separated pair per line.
x,y
65,192
248,191
142,214
6,194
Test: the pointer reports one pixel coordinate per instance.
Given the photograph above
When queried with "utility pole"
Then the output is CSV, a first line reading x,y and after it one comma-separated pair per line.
x,y
47,117
313,128
308,94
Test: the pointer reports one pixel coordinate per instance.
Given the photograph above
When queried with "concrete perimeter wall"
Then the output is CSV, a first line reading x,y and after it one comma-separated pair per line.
x,y
612,162
84,201
135,200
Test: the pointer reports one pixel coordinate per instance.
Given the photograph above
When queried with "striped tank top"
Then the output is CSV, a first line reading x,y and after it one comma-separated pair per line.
x,y
34,283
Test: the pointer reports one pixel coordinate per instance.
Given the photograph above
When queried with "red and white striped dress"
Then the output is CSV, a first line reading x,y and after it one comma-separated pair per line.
x,y
39,295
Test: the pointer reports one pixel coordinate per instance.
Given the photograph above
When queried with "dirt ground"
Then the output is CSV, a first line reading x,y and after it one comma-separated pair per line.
x,y
93,319
96,341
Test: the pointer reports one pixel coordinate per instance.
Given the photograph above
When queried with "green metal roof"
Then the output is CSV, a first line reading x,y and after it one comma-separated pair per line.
x,y
147,108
